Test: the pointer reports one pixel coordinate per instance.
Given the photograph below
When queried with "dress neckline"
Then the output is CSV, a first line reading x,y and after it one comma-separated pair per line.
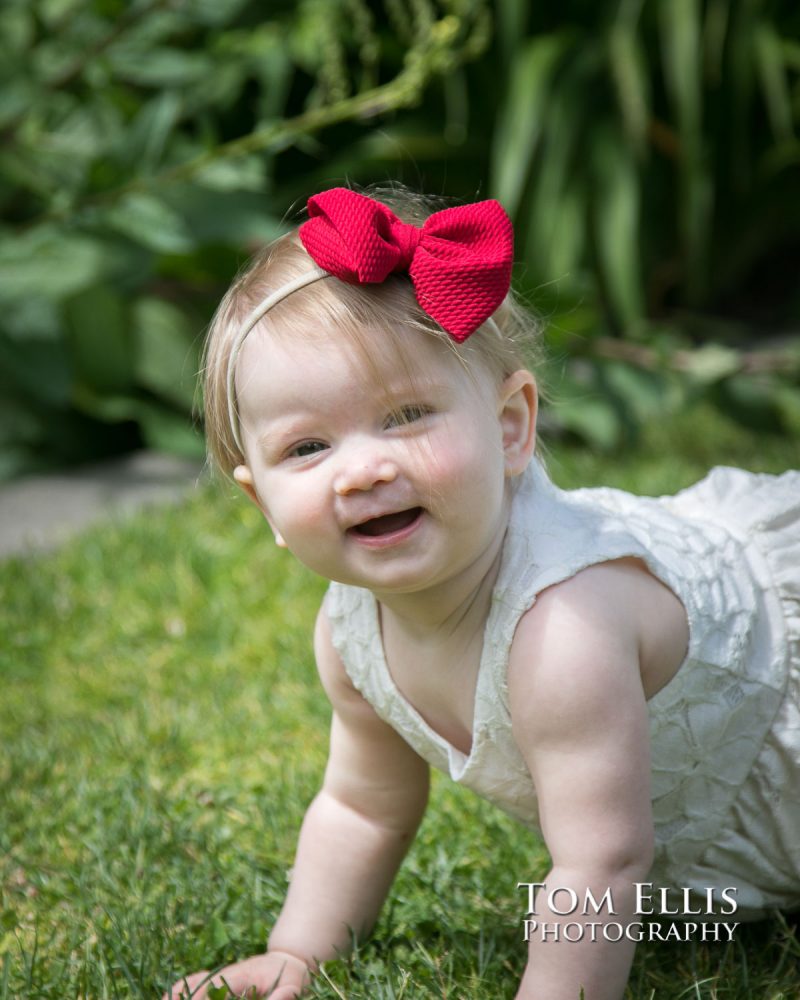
x,y
459,762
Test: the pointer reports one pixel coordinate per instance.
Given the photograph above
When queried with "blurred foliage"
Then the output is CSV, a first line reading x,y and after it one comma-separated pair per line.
x,y
647,150
141,141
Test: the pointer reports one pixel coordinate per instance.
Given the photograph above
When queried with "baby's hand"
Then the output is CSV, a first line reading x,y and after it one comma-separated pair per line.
x,y
276,975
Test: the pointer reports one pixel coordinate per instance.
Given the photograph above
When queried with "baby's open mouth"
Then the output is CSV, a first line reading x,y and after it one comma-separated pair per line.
x,y
388,523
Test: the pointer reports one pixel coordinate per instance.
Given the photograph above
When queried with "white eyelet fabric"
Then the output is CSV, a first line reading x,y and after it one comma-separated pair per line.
x,y
725,732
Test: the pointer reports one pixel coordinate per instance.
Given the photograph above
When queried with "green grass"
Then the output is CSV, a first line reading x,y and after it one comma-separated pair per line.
x,y
161,730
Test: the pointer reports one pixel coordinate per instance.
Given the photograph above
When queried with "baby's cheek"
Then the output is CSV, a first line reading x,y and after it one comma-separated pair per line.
x,y
468,462
303,514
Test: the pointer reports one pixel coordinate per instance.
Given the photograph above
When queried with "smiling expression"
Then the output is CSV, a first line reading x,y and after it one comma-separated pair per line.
x,y
390,475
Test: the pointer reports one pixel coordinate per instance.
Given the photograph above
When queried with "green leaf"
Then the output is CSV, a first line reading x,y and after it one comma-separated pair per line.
x,y
86,133
160,67
519,127
148,134
39,368
556,230
511,18
110,409
682,60
100,340
213,12
20,424
49,262
627,61
787,402
17,34
790,49
54,12
752,401
774,82
234,217
269,59
164,430
615,215
642,393
33,319
16,97
584,411
244,173
167,351
558,205
712,363
150,222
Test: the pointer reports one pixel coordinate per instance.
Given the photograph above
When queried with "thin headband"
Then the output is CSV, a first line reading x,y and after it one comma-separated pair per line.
x,y
263,307
459,262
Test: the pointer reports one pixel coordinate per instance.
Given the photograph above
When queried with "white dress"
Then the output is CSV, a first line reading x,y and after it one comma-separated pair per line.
x,y
725,731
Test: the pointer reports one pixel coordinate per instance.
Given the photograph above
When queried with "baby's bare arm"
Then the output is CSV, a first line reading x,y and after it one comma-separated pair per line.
x,y
365,816
353,838
579,716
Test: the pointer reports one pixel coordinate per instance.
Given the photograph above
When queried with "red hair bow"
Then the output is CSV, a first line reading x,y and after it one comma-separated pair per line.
x,y
459,261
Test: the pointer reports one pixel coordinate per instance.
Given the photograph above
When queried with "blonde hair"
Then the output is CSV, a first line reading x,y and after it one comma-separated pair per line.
x,y
500,346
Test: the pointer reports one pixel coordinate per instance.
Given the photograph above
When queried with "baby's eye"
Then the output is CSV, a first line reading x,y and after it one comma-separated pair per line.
x,y
407,415
307,448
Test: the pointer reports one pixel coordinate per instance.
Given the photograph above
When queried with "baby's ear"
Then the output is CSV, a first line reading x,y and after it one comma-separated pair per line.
x,y
244,478
517,402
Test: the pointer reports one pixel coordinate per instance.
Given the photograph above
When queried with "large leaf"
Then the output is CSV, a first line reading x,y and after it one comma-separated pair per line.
x,y
212,11
511,18
17,33
787,402
244,173
161,67
150,222
101,342
167,351
645,395
683,61
558,204
774,82
627,61
615,214
519,127
165,430
40,369
238,217
148,134
587,412
48,261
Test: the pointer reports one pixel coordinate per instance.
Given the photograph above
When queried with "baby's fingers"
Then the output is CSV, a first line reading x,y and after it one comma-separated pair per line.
x,y
193,986
205,986
234,981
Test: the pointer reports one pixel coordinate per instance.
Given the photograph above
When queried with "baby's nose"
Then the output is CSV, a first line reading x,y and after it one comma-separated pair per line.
x,y
362,470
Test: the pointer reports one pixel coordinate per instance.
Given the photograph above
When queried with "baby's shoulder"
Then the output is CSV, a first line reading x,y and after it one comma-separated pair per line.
x,y
581,614
337,683
610,619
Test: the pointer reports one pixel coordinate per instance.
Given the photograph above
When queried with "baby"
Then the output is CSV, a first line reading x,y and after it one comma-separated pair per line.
x,y
620,673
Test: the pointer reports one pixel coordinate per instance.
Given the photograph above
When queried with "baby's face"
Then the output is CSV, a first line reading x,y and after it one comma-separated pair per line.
x,y
390,476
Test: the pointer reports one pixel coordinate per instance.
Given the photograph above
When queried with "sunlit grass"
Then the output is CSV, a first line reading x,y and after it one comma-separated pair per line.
x,y
161,731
